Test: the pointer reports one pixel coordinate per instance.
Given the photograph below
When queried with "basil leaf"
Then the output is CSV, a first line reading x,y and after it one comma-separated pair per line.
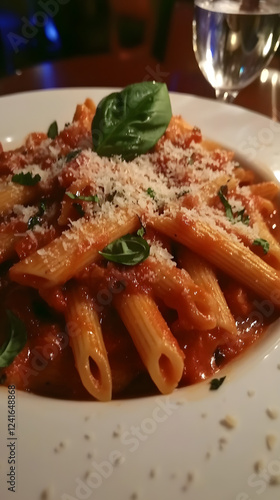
x,y
263,243
130,122
16,341
53,130
215,383
73,196
151,193
128,250
26,179
70,156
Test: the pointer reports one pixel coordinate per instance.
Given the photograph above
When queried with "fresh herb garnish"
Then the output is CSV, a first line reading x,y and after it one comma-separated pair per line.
x,y
79,209
182,193
221,193
34,221
239,216
141,231
73,196
128,250
16,341
129,123
37,219
242,217
53,130
263,243
27,179
215,383
150,192
70,156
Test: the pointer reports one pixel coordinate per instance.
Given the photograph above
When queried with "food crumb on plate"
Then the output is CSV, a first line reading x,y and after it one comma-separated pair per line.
x,y
89,436
229,422
274,480
272,413
271,440
154,472
259,466
222,442
47,494
61,446
251,393
117,432
189,479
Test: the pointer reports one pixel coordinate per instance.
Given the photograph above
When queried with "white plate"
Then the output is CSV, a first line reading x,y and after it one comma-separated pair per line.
x,y
157,447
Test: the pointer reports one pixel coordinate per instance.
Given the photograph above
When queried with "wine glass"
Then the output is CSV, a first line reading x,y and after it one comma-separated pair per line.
x,y
234,40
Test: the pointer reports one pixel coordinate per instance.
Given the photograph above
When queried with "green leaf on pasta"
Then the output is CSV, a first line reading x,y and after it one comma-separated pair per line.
x,y
15,342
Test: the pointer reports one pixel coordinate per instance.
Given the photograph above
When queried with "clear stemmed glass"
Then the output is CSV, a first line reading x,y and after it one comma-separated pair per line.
x,y
234,40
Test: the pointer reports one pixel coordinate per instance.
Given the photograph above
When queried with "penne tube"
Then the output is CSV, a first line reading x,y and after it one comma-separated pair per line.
x,y
267,190
194,305
153,339
204,276
210,190
75,249
15,194
7,246
230,256
87,344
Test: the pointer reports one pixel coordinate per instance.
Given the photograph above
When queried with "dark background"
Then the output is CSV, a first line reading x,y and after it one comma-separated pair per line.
x,y
30,35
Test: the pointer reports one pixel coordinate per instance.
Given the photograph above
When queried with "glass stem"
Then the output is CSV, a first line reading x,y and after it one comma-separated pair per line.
x,y
226,95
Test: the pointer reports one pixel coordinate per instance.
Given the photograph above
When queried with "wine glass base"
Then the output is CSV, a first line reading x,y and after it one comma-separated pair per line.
x,y
226,95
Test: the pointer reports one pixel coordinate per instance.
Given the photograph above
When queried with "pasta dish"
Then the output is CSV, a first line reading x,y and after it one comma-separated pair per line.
x,y
135,256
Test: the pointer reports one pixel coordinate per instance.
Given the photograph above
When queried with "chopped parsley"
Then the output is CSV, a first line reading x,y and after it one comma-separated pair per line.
x,y
215,383
239,216
37,219
141,232
27,179
150,192
72,154
73,196
263,243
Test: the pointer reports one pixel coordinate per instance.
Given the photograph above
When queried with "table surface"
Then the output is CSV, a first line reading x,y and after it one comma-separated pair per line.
x,y
179,70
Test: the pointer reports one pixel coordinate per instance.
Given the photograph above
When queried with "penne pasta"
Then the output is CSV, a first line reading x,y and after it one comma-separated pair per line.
x,y
75,249
204,276
176,288
87,344
15,194
134,261
153,339
228,255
